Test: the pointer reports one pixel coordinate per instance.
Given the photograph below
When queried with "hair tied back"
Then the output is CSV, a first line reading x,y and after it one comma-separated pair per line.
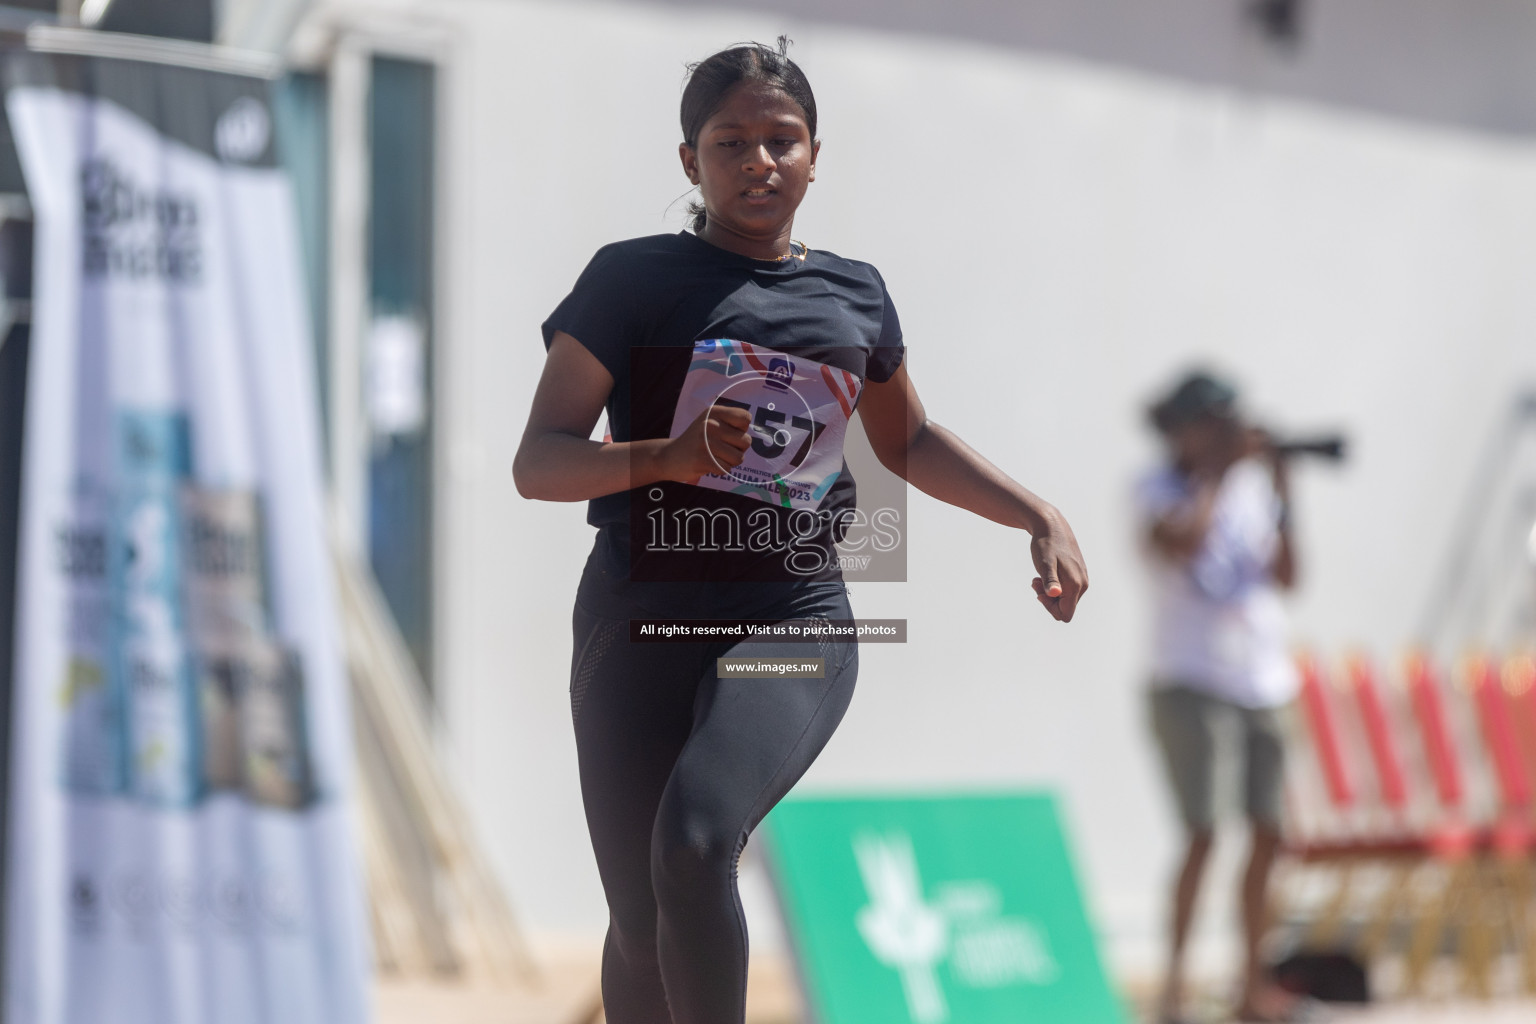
x,y
712,79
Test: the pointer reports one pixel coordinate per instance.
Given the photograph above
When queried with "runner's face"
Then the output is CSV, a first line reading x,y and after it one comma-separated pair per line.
x,y
754,159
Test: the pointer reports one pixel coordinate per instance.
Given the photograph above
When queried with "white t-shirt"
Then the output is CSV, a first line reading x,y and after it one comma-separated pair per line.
x,y
1218,623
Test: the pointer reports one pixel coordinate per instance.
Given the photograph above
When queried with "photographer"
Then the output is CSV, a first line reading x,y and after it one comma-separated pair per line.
x,y
1215,522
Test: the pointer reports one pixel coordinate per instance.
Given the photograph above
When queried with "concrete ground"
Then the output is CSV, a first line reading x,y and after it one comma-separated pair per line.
x,y
566,993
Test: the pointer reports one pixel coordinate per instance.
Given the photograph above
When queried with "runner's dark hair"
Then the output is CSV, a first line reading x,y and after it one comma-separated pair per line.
x,y
712,79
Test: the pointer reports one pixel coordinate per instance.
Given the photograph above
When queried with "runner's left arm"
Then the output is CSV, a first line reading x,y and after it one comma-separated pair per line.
x,y
937,462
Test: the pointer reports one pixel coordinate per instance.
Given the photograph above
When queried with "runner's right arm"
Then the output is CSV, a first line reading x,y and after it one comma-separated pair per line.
x,y
557,460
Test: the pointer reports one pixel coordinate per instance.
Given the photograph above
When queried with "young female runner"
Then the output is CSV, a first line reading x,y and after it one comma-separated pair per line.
x,y
729,360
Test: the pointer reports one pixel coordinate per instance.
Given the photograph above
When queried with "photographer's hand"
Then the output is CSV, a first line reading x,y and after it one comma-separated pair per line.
x,y
1280,473
1181,533
1283,567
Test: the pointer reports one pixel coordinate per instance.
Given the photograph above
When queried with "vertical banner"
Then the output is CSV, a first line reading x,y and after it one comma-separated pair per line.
x,y
181,849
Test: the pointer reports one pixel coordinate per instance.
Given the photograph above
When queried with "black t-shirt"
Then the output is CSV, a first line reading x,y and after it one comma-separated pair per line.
x,y
678,321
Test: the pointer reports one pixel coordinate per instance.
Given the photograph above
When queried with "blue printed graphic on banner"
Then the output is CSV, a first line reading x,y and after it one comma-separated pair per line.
x,y
150,663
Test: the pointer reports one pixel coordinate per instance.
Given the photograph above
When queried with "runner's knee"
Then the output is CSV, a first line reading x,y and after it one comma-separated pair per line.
x,y
689,862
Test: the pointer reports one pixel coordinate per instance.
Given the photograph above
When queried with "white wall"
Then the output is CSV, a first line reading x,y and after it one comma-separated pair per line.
x,y
1060,238
1457,62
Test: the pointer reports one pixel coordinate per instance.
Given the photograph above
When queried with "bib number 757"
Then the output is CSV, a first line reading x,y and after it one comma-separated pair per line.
x,y
800,410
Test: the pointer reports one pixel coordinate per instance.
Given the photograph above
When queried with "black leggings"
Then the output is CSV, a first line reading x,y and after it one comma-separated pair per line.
x,y
678,766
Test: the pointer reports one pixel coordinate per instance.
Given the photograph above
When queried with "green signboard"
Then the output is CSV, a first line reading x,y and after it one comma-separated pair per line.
x,y
936,910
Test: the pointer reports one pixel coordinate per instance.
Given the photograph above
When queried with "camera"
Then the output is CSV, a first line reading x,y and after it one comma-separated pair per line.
x,y
1326,446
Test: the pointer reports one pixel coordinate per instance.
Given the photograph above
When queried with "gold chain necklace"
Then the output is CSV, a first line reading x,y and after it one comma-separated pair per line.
x,y
792,255
805,251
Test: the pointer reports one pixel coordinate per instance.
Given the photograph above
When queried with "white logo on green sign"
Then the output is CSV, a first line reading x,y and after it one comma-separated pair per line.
x,y
963,923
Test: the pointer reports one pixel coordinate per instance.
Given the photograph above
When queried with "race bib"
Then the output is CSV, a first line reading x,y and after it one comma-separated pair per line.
x,y
800,410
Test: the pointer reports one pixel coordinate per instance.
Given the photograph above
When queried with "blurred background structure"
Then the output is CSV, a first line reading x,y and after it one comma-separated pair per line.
x,y
1069,199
